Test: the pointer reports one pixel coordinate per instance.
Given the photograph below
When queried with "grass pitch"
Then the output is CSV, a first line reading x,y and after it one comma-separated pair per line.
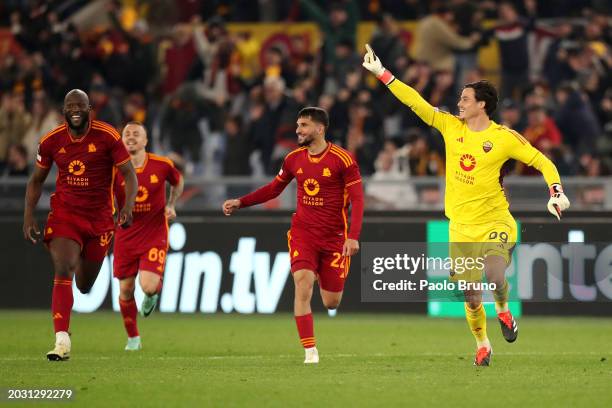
x,y
366,360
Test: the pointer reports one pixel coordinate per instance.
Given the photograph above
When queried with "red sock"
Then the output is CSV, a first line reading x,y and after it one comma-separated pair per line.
x,y
129,312
306,330
61,304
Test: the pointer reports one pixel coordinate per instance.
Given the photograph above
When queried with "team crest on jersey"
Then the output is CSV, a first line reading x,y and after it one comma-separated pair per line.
x,y
326,172
467,162
91,148
460,139
487,146
154,178
311,187
300,171
76,167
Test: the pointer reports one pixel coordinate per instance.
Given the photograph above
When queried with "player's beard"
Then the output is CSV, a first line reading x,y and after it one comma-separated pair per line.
x,y
306,141
82,126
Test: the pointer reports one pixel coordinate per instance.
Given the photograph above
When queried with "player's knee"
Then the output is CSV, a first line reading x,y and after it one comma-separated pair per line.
x,y
149,288
84,287
331,303
303,290
126,293
473,303
66,269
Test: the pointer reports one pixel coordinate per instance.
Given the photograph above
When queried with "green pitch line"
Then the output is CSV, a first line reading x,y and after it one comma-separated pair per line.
x,y
366,360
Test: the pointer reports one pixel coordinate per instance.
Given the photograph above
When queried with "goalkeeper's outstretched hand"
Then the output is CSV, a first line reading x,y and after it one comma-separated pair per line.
x,y
558,201
372,63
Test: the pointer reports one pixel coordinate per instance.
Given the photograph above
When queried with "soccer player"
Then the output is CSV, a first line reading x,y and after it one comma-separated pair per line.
x,y
480,222
141,249
320,243
80,225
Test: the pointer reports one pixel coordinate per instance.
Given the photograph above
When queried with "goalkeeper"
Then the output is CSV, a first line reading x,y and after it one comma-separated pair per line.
x,y
480,223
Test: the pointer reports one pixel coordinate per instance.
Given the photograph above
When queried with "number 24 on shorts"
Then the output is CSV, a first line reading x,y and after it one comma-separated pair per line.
x,y
339,258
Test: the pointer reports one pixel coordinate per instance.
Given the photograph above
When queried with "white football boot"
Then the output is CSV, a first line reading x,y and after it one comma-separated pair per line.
x,y
61,351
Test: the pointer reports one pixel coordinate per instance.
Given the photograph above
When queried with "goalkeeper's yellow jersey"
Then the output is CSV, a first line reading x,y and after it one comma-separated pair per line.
x,y
474,160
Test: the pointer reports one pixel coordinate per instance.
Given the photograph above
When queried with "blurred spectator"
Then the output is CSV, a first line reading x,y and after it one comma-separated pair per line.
x,y
386,40
555,69
468,17
44,119
277,136
337,24
179,123
510,115
14,121
364,138
577,119
511,33
346,62
178,53
389,188
237,153
237,148
437,40
104,106
17,163
442,92
542,133
421,159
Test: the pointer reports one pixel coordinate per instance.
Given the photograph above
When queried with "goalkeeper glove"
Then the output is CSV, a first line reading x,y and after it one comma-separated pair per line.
x,y
373,64
558,201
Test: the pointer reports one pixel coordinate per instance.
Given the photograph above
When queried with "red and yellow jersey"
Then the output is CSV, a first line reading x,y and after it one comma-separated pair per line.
x,y
86,168
322,180
149,221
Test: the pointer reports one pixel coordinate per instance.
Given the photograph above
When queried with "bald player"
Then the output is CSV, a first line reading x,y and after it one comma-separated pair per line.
x,y
80,225
141,249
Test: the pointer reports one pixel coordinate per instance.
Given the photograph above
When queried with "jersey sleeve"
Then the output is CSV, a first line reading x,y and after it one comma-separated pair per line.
x,y
285,175
520,149
118,151
173,175
431,116
44,154
351,175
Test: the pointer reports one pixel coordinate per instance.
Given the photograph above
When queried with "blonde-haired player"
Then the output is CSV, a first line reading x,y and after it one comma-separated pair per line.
x,y
480,223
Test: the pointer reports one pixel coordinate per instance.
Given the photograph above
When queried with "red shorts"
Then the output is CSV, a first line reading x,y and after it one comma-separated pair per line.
x,y
128,262
94,236
323,256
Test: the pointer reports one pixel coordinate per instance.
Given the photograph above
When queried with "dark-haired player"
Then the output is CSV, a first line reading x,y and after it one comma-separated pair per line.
x,y
480,223
80,225
141,249
320,243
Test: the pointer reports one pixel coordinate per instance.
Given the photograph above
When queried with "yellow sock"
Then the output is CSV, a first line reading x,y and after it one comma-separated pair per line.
x,y
477,321
501,298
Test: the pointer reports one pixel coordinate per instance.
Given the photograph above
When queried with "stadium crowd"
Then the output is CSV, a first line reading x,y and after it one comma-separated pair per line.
x,y
174,66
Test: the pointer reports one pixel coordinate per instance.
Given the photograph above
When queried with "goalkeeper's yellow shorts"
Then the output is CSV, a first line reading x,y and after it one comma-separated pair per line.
x,y
476,242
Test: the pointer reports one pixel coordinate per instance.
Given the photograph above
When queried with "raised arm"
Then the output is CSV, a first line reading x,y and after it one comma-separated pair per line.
x,y
406,94
31,231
